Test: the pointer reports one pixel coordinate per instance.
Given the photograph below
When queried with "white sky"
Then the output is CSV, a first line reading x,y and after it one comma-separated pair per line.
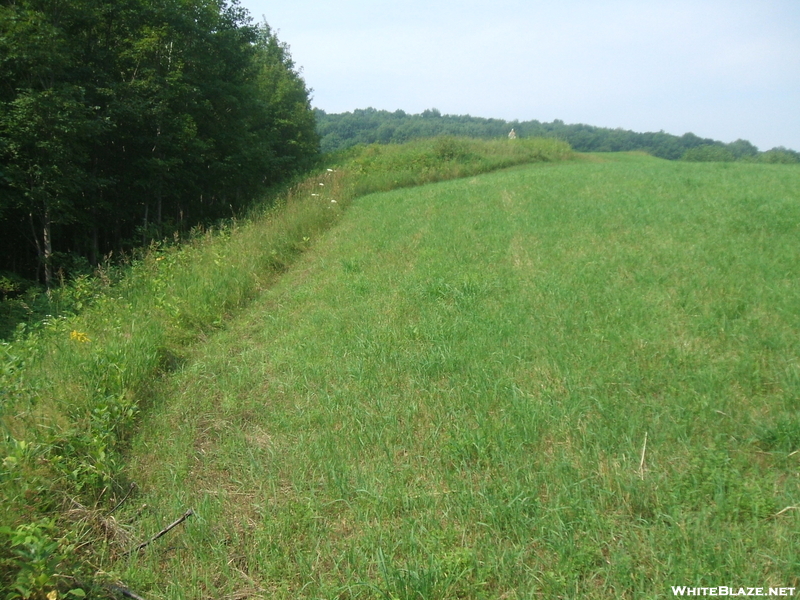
x,y
724,69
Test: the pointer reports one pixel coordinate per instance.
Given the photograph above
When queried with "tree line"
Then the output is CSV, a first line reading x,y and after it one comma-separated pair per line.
x,y
124,121
368,126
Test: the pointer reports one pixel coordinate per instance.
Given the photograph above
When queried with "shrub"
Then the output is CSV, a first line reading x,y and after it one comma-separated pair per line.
x,y
709,153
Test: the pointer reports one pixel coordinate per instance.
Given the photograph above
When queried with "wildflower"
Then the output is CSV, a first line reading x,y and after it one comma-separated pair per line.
x,y
321,183
52,595
333,202
159,258
79,336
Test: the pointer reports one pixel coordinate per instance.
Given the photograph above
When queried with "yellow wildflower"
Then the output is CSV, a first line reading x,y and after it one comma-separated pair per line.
x,y
79,336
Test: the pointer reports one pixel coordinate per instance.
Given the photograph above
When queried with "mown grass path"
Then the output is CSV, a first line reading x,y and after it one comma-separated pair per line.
x,y
448,396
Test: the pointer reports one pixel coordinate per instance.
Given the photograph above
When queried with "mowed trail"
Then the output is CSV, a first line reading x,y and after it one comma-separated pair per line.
x,y
448,396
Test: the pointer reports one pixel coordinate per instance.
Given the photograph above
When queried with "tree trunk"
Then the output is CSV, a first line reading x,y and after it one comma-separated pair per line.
x,y
48,248
158,212
144,227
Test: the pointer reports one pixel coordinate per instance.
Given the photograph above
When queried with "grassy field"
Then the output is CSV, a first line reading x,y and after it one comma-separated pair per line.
x,y
571,380
75,381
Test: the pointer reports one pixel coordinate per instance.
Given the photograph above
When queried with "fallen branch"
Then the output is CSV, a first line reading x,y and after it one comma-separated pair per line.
x,y
125,592
161,533
130,490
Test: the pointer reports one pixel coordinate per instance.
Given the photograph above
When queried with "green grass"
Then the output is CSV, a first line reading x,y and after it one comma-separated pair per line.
x,y
75,384
448,396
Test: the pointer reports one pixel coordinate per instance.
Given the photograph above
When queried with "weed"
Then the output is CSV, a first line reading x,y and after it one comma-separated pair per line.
x,y
35,556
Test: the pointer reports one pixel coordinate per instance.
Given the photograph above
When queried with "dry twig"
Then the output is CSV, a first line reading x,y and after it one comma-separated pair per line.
x,y
780,512
120,503
125,592
163,532
641,462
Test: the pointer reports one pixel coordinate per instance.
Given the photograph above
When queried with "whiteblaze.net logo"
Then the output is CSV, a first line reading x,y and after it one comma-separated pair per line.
x,y
682,590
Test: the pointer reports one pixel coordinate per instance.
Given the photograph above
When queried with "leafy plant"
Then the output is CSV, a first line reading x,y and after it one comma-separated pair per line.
x,y
35,555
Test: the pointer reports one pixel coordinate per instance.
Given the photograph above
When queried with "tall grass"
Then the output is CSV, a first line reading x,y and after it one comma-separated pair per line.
x,y
388,167
578,381
74,387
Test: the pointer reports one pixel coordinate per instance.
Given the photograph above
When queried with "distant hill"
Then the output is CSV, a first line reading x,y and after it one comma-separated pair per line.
x,y
369,126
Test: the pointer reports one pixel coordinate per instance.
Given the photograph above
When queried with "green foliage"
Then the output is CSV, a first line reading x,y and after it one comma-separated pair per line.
x,y
709,153
123,122
35,556
380,168
742,149
780,156
368,126
26,303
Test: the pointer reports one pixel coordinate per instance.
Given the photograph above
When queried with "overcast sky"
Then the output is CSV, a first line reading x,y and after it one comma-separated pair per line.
x,y
724,69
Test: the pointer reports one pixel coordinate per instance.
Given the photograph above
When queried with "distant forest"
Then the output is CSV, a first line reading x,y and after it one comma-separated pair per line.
x,y
369,126
127,121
